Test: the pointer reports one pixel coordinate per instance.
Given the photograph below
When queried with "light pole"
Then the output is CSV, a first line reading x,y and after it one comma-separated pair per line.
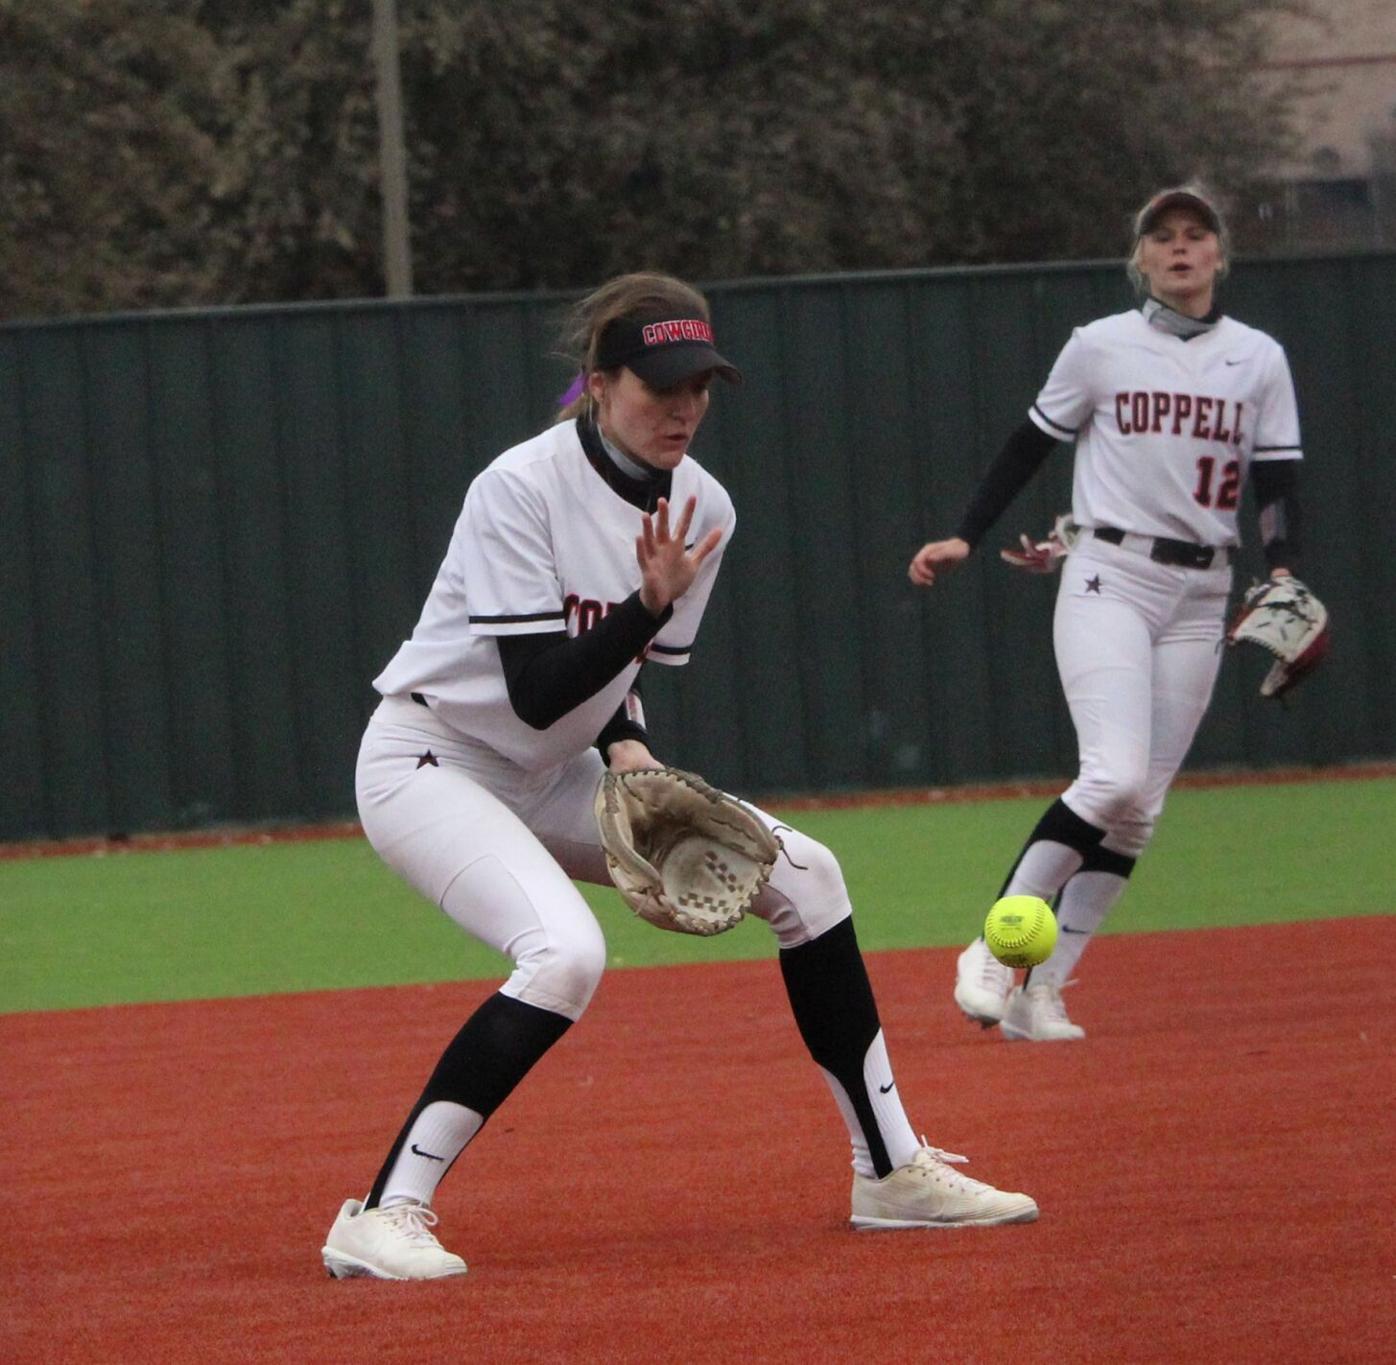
x,y
392,153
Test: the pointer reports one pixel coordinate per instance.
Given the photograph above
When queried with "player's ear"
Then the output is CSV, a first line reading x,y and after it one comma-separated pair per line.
x,y
596,385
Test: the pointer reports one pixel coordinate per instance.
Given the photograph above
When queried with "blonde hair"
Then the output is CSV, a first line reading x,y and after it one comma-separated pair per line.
x,y
641,294
1198,191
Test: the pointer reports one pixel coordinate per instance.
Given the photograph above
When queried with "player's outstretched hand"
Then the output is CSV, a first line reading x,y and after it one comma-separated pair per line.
x,y
937,557
667,567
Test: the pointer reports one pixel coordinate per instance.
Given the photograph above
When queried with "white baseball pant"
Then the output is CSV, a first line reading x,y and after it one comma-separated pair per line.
x,y
1138,646
497,847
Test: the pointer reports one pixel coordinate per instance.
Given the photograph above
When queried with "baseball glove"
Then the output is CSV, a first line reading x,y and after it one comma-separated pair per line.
x,y
1043,556
1285,618
684,855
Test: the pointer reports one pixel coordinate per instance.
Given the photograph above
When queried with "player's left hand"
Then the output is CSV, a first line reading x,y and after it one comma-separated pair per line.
x,y
1284,618
667,567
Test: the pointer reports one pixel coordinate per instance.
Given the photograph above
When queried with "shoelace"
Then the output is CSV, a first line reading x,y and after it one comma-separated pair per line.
x,y
935,1163
413,1221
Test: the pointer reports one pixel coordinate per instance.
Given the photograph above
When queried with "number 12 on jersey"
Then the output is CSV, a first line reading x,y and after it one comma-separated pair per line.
x,y
1228,491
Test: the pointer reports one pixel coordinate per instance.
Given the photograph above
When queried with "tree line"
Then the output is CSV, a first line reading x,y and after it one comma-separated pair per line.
x,y
167,153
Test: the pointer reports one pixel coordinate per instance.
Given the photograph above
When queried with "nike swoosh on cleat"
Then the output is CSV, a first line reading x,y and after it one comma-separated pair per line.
x,y
430,1156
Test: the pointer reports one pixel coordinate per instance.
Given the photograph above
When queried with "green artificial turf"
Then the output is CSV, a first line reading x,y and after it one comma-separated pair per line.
x,y
142,926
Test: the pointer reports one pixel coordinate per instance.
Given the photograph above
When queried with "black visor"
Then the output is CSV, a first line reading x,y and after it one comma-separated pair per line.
x,y
663,351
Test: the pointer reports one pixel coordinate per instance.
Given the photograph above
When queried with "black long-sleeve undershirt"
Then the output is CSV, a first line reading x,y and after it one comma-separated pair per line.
x,y
621,726
1276,485
552,673
1021,457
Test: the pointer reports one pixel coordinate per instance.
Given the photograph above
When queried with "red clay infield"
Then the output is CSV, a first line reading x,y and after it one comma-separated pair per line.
x,y
1213,1166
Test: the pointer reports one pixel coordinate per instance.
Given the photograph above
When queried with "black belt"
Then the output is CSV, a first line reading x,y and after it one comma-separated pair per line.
x,y
1182,553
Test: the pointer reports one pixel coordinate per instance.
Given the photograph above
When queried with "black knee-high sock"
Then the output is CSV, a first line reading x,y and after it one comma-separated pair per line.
x,y
494,1050
832,1000
1059,825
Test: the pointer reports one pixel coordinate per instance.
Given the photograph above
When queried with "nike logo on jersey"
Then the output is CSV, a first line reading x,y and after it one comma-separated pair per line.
x,y
427,759
887,1089
1067,929
1235,362
1093,585
430,1156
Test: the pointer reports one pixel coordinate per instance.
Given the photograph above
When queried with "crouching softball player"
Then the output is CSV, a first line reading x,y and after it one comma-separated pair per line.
x,y
1171,406
578,554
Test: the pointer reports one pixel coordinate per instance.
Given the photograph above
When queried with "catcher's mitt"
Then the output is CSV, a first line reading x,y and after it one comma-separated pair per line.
x,y
1284,617
684,855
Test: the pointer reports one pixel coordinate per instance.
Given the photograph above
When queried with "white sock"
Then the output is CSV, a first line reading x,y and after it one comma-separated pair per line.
x,y
892,1123
1085,902
438,1137
1044,869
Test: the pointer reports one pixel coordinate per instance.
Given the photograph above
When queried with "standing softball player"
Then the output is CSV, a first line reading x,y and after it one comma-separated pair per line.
x,y
1171,407
577,555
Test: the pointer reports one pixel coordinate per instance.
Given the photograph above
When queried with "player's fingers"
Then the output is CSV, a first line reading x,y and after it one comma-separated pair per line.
x,y
705,546
662,519
923,567
686,517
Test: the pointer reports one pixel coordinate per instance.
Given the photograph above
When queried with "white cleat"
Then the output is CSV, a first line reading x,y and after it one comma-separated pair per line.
x,y
396,1243
929,1193
982,984
1036,1014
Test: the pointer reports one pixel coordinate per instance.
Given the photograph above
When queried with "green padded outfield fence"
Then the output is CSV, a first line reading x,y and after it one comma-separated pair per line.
x,y
216,526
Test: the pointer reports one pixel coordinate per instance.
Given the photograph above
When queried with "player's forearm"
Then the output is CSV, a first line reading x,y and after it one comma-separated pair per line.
x,y
624,735
1021,457
1276,484
551,674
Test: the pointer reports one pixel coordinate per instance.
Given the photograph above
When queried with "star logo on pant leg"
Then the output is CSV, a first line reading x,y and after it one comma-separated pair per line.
x,y
1093,585
426,758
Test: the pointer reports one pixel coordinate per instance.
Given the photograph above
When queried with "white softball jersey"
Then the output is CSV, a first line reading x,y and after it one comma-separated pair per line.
x,y
1166,429
543,543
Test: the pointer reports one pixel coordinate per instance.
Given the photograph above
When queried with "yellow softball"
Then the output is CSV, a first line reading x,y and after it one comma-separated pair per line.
x,y
1021,931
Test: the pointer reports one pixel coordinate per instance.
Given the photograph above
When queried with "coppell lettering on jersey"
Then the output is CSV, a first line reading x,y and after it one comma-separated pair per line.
x,y
1180,414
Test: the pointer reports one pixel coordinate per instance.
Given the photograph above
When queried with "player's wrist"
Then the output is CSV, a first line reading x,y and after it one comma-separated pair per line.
x,y
628,755
650,600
